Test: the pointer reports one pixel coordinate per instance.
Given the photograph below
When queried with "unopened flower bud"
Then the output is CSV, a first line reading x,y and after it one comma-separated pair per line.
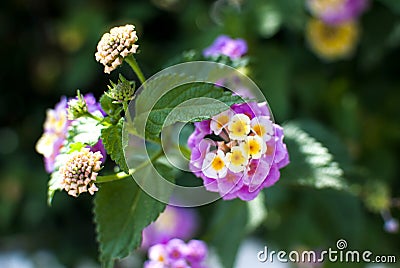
x,y
80,172
115,46
77,107
121,92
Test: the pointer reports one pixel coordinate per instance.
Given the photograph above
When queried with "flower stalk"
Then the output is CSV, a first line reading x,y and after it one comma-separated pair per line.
x,y
135,67
123,175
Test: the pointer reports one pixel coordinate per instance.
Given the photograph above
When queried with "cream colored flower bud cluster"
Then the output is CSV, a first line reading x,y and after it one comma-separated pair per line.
x,y
115,46
80,172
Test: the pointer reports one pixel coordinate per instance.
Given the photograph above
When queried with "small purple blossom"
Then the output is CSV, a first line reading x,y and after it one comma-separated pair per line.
x,y
224,45
196,251
56,129
337,11
391,224
177,254
247,159
176,249
174,222
92,104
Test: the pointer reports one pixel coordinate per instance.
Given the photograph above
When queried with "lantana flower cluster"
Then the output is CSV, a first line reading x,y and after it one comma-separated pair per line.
x,y
78,170
56,128
333,33
238,152
177,254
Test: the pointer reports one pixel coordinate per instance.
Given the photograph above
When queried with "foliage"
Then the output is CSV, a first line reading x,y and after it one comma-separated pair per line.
x,y
120,230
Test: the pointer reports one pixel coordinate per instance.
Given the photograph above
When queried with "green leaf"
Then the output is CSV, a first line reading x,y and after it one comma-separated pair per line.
x,y
122,210
112,140
54,185
311,163
257,212
84,130
230,215
186,103
329,139
111,108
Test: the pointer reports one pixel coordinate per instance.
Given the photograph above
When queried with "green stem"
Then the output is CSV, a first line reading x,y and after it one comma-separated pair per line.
x,y
125,106
98,119
123,175
135,67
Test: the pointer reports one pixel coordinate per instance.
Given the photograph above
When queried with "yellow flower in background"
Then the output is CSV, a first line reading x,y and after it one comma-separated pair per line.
x,y
332,42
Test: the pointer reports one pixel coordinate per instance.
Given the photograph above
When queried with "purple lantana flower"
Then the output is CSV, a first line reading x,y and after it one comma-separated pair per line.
x,y
56,129
174,222
247,155
177,254
55,132
92,105
224,45
337,11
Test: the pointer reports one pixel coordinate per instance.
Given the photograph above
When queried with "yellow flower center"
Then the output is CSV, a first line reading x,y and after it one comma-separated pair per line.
x,y
218,163
237,159
332,42
161,258
239,127
259,130
254,147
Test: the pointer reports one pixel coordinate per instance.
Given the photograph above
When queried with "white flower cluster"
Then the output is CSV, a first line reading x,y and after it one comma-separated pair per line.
x,y
80,172
115,46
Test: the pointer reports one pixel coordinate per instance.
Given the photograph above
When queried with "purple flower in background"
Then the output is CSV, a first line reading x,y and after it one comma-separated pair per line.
x,y
247,156
92,104
224,45
196,251
55,132
56,129
391,226
177,254
174,222
337,11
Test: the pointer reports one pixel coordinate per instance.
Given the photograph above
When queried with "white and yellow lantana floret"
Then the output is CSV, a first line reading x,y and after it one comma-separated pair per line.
x,y
239,127
263,127
237,159
215,165
220,121
254,146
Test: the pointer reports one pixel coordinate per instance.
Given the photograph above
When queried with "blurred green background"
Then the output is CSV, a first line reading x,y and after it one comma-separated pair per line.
x,y
351,105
